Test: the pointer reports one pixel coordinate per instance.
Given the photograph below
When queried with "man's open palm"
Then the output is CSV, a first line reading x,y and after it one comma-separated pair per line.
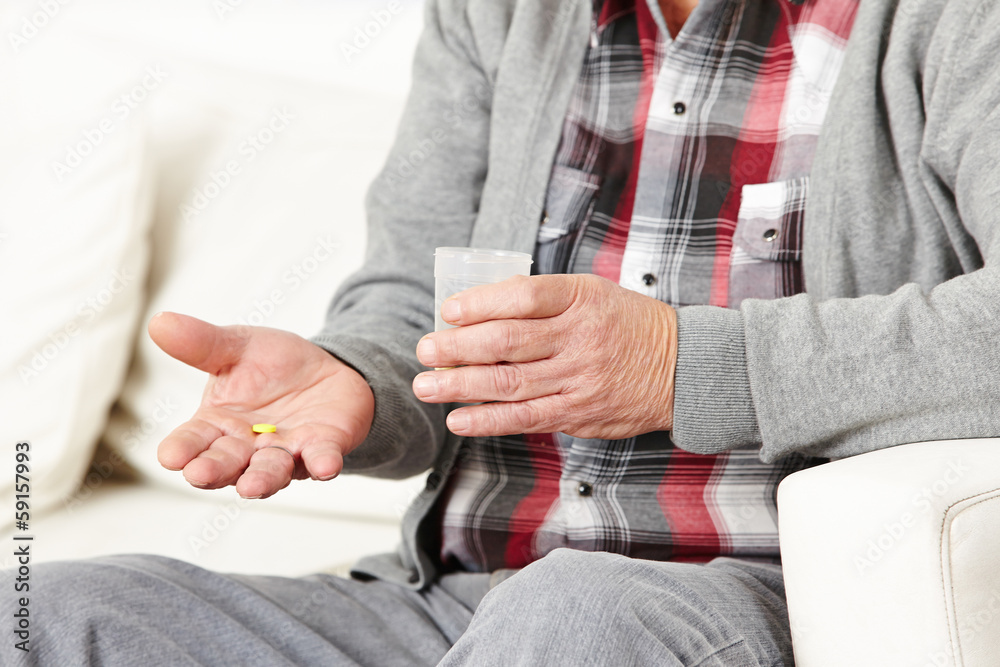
x,y
322,408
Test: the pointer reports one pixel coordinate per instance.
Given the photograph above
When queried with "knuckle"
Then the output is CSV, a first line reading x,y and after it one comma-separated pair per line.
x,y
525,416
496,420
521,282
271,464
556,342
502,418
527,293
507,379
507,341
445,343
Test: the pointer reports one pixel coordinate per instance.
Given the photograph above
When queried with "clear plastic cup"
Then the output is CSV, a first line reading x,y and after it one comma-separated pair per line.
x,y
457,269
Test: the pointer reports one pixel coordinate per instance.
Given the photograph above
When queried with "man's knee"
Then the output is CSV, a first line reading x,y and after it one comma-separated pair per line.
x,y
602,602
569,592
568,575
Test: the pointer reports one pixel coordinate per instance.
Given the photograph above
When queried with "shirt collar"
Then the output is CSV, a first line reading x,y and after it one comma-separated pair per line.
x,y
606,11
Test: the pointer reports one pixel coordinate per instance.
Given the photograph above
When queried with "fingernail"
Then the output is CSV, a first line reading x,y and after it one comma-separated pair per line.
x,y
451,310
425,385
426,351
458,422
195,483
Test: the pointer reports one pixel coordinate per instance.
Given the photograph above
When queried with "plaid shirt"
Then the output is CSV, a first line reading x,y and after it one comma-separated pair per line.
x,y
682,174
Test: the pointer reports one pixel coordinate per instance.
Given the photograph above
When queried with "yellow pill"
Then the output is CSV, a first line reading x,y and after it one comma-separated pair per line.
x,y
264,428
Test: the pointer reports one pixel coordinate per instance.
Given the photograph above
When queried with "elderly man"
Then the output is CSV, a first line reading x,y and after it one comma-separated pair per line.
x,y
755,242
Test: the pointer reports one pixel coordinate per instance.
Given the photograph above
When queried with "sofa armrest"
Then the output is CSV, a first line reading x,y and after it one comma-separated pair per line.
x,y
891,557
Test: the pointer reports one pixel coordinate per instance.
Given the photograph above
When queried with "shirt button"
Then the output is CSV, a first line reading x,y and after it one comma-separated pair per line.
x,y
679,108
584,489
414,577
770,235
433,481
649,280
545,217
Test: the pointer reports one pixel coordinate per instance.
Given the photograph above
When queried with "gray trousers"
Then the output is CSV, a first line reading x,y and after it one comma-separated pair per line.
x,y
568,608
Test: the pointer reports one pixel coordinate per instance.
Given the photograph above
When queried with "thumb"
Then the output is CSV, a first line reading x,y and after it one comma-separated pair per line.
x,y
197,343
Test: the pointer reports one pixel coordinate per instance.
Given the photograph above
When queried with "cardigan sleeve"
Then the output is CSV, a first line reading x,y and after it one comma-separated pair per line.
x,y
426,195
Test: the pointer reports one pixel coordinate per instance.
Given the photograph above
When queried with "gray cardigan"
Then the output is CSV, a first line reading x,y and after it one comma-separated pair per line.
x,y
896,339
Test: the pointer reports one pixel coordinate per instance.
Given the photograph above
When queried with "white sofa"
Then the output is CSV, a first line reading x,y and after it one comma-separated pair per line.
x,y
209,158
893,557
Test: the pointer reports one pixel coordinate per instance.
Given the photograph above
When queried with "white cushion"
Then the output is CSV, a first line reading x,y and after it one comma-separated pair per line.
x,y
74,220
890,558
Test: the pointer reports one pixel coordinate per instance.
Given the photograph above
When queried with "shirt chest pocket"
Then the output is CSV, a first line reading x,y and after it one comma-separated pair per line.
x,y
766,260
569,203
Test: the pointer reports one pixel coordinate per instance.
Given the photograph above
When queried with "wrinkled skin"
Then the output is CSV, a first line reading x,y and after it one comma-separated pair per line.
x,y
570,353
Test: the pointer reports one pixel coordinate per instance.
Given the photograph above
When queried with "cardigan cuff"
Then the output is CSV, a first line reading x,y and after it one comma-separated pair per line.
x,y
376,367
713,406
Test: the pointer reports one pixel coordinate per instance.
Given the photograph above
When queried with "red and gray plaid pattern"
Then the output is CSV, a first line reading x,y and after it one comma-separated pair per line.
x,y
682,174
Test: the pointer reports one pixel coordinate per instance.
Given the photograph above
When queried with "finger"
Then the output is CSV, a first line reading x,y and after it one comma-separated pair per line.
x,y
493,382
520,297
186,442
322,461
197,343
488,343
321,450
269,470
221,464
540,415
